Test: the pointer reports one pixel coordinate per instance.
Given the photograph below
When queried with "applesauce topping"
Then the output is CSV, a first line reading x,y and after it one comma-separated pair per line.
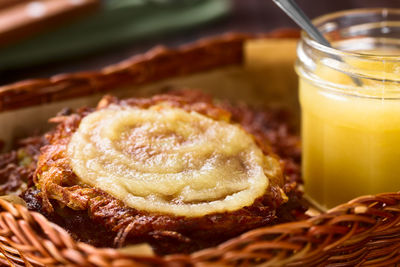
x,y
167,160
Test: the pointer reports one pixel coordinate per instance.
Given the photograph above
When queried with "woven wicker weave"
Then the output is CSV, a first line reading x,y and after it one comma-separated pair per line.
x,y
159,63
365,231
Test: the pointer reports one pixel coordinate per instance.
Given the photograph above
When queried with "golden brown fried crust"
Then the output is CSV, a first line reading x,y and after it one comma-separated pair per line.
x,y
61,192
18,166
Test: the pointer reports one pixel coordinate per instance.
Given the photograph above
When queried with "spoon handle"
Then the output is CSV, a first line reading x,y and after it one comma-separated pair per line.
x,y
297,15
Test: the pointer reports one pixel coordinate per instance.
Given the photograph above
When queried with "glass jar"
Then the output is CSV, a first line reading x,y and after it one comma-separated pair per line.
x,y
350,102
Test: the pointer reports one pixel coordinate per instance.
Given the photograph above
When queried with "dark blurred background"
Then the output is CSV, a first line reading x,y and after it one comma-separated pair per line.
x,y
249,16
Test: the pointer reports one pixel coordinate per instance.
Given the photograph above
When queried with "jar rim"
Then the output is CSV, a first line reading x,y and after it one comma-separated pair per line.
x,y
321,20
353,32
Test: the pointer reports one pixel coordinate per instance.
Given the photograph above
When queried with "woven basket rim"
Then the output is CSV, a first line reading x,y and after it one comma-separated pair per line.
x,y
154,65
360,221
363,231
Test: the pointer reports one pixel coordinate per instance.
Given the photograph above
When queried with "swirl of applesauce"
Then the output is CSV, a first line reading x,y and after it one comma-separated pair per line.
x,y
167,160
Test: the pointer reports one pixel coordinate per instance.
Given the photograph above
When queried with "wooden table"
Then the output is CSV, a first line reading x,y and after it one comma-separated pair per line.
x,y
247,16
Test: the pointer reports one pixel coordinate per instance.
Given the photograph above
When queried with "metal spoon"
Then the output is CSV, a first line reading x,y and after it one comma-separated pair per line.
x,y
297,15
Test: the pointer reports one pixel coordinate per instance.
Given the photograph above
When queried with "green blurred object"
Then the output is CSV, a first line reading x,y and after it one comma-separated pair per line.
x,y
119,21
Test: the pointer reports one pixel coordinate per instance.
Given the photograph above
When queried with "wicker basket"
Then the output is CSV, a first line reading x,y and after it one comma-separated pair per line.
x,y
362,232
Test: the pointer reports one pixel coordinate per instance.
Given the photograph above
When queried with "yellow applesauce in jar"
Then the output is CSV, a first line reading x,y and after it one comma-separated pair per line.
x,y
350,104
